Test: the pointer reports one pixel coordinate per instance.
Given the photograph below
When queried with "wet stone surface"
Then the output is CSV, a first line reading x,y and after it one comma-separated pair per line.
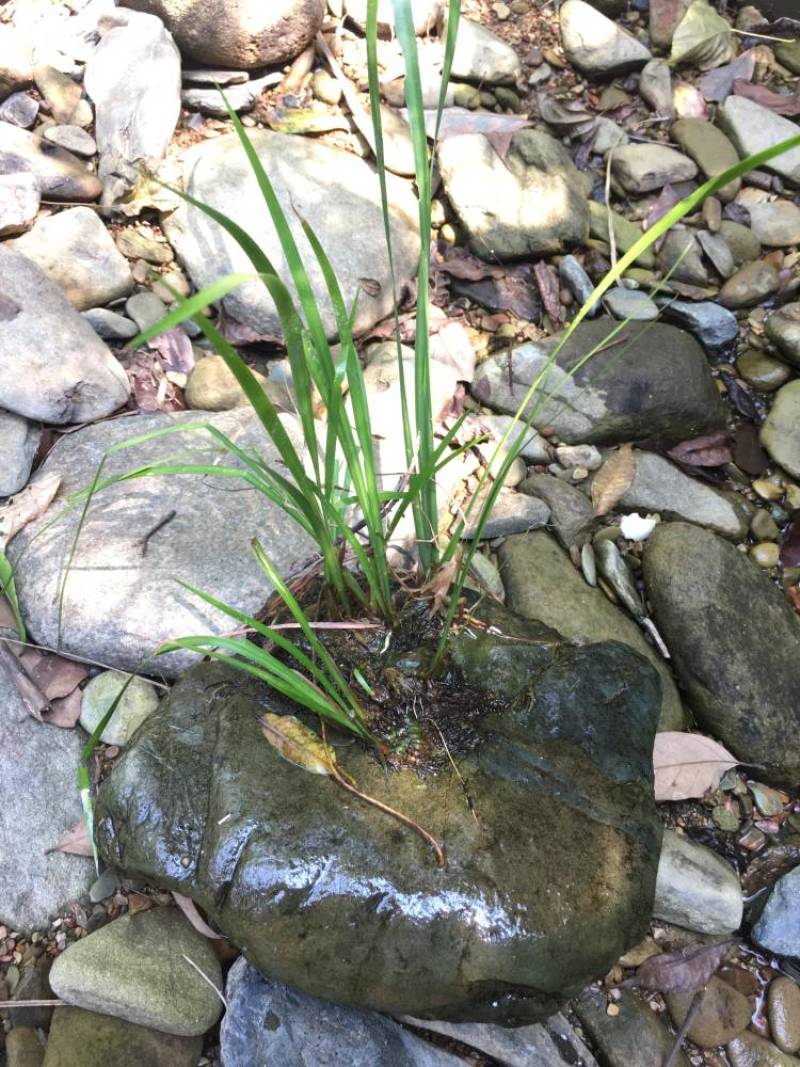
x,y
288,865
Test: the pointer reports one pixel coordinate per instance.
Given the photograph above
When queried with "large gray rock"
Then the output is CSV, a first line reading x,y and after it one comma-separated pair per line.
x,y
780,434
735,644
38,765
778,926
92,1040
308,178
595,44
303,1030
541,583
752,128
251,34
649,382
122,602
19,440
76,250
659,485
60,175
696,888
134,80
528,203
507,927
53,366
134,967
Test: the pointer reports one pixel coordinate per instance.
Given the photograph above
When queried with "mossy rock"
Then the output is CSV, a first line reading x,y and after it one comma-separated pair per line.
x,y
549,828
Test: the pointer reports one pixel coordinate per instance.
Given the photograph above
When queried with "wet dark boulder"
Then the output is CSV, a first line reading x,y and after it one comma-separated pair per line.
x,y
550,833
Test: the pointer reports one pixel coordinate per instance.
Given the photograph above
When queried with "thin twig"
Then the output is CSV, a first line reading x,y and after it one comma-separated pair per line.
x,y
206,979
687,1022
72,656
337,775
9,1005
612,238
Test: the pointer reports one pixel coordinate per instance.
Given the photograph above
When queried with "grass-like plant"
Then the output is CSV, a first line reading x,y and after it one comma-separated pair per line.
x,y
329,483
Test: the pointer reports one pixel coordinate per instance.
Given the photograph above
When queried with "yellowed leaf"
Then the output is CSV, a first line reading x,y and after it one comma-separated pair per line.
x,y
189,909
613,480
688,765
296,743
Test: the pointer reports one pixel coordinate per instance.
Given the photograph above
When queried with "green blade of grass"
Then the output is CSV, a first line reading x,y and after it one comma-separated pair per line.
x,y
8,589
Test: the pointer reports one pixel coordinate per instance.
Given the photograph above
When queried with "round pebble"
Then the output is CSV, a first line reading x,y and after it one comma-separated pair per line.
x,y
139,701
763,526
762,371
783,1002
765,554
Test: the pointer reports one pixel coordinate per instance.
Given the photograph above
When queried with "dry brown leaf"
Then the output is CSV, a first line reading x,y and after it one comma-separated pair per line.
x,y
688,765
55,676
189,909
686,971
613,480
75,841
297,743
65,711
26,506
138,902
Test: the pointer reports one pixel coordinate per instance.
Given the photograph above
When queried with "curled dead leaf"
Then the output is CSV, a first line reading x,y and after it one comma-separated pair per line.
x,y
189,909
688,765
613,480
26,506
297,743
686,971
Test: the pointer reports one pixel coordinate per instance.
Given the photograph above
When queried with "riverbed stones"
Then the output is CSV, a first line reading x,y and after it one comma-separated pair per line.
x,y
19,440
783,329
62,93
94,1040
109,325
734,640
778,926
632,1037
60,175
571,512
217,173
303,1029
53,366
251,35
569,775
596,45
528,203
76,250
134,969
133,77
659,485
19,202
653,383
776,223
73,138
641,168
541,583
752,128
20,109
780,434
711,150
16,63
121,599
783,1001
37,784
696,888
